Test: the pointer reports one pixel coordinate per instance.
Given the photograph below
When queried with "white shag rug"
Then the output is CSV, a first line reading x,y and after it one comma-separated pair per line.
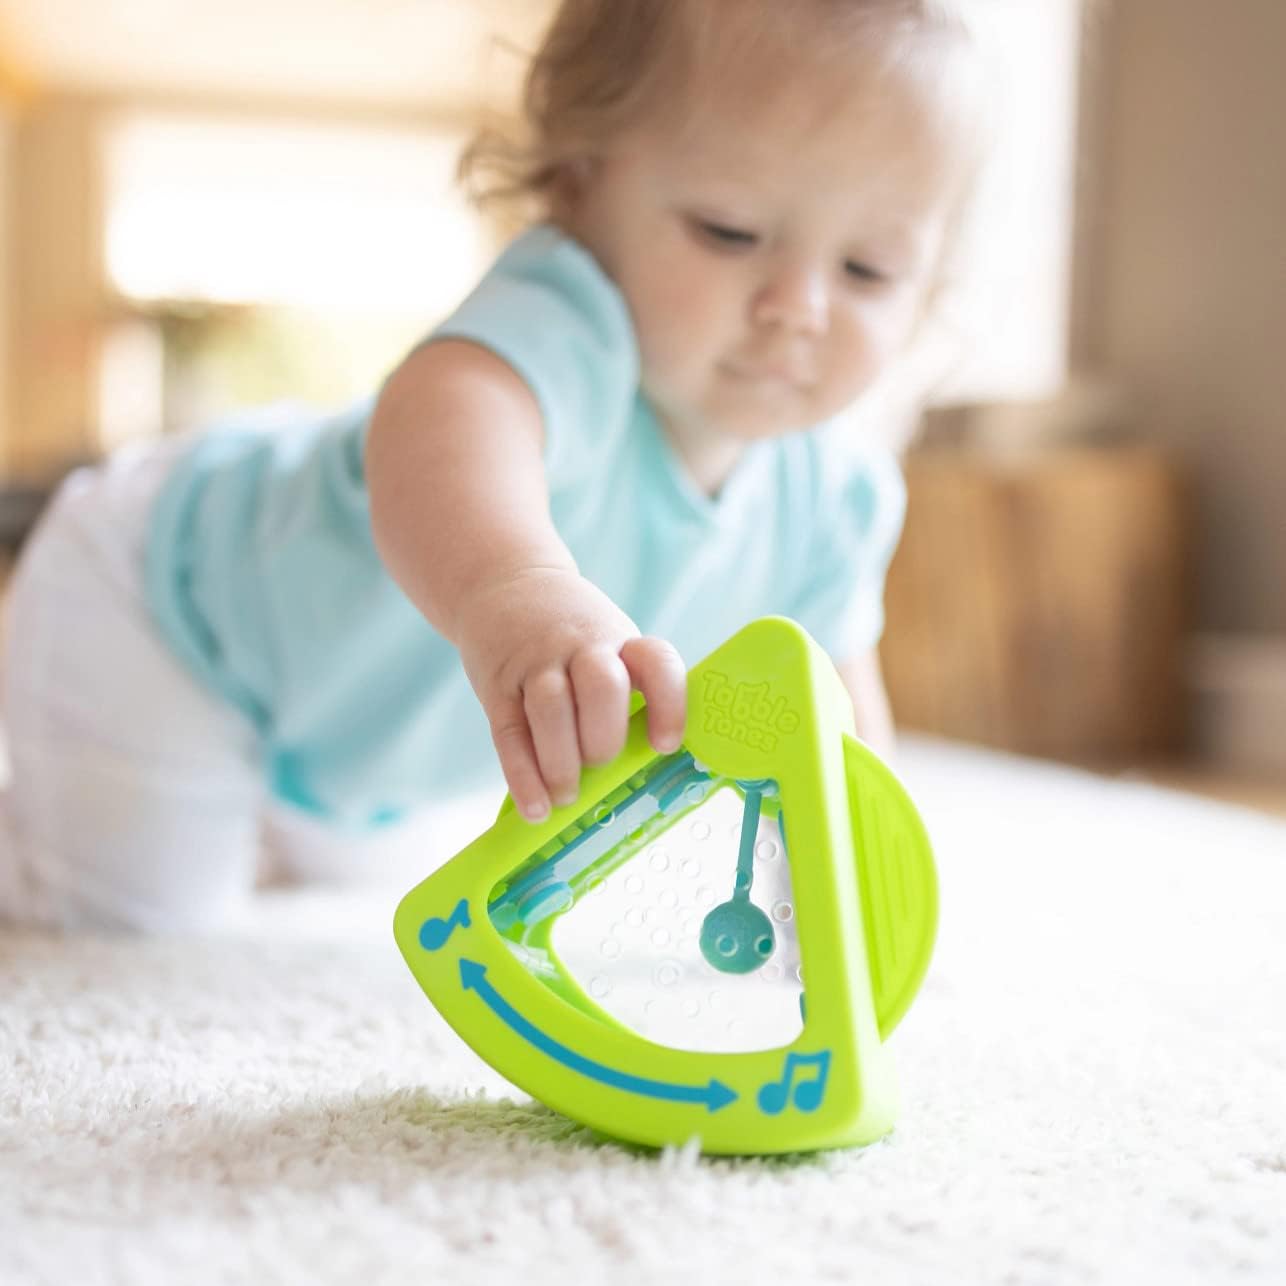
x,y
1093,1089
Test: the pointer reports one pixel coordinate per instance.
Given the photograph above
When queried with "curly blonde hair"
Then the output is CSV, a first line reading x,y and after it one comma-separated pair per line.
x,y
604,64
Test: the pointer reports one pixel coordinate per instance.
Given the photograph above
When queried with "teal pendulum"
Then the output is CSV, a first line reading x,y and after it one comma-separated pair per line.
x,y
736,936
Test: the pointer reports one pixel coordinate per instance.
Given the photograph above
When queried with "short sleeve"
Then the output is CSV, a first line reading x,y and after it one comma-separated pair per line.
x,y
548,310
860,508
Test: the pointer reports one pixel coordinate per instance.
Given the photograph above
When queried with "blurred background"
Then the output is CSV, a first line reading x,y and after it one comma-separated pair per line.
x,y
206,204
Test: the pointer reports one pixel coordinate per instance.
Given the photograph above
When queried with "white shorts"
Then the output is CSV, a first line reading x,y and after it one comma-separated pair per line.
x,y
137,798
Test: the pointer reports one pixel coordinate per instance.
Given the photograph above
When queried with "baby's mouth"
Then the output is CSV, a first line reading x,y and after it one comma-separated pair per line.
x,y
767,376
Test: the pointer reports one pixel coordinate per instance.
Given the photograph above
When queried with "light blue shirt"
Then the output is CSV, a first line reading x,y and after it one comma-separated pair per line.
x,y
262,574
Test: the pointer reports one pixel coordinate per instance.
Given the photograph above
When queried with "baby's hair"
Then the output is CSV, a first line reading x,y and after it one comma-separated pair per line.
x,y
605,64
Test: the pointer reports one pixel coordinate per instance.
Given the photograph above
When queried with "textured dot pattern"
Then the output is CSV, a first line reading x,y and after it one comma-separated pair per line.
x,y
635,946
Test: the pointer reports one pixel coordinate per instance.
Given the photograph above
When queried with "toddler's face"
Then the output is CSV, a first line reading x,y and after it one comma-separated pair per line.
x,y
774,248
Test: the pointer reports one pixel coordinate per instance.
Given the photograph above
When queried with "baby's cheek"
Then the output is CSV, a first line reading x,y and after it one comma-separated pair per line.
x,y
889,330
871,341
662,359
850,371
653,304
673,349
678,311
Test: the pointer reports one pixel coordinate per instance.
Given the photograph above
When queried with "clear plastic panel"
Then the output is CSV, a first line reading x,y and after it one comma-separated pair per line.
x,y
671,907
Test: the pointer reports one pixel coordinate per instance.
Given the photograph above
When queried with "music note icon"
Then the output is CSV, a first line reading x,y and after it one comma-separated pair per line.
x,y
435,932
808,1094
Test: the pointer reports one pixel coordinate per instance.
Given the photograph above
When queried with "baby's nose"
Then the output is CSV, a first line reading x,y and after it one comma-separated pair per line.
x,y
794,298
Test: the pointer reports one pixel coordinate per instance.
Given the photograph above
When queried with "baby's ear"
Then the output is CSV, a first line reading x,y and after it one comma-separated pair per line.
x,y
570,184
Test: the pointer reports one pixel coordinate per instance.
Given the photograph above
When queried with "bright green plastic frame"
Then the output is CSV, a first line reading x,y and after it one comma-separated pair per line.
x,y
767,704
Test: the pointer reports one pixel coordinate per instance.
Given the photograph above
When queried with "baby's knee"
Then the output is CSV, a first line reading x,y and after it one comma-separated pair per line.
x,y
109,889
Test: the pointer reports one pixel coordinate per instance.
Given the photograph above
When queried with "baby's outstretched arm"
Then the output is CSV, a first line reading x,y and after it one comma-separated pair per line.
x,y
460,510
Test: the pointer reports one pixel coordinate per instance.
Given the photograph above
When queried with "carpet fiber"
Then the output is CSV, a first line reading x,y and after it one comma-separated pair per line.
x,y
1093,1089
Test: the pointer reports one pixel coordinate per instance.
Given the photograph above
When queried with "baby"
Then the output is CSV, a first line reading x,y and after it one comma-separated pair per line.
x,y
616,452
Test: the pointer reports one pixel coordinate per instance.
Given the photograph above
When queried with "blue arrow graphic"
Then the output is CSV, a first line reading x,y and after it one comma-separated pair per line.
x,y
714,1095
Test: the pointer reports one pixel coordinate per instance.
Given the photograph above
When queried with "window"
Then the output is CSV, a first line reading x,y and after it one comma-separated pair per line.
x,y
268,260
1017,260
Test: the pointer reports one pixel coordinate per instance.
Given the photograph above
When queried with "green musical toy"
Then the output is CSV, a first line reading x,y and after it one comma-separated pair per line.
x,y
710,944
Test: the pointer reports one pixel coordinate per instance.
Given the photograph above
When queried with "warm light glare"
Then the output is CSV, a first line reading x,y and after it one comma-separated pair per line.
x,y
1015,296
231,212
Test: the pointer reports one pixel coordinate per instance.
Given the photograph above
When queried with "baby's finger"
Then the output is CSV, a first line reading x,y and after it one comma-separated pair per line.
x,y
551,715
513,744
657,670
601,687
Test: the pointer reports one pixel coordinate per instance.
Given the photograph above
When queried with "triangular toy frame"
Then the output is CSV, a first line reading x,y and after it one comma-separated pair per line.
x,y
766,706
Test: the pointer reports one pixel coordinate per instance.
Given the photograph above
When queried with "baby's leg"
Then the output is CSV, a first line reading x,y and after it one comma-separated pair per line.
x,y
134,794
303,849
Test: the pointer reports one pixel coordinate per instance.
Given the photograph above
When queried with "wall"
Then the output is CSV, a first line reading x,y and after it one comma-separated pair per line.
x,y
56,296
1182,271
6,270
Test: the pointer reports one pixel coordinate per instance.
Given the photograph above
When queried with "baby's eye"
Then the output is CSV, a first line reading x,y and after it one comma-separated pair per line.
x,y
859,271
725,236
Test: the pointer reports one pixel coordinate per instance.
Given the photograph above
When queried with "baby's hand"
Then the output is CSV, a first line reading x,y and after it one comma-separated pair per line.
x,y
553,661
